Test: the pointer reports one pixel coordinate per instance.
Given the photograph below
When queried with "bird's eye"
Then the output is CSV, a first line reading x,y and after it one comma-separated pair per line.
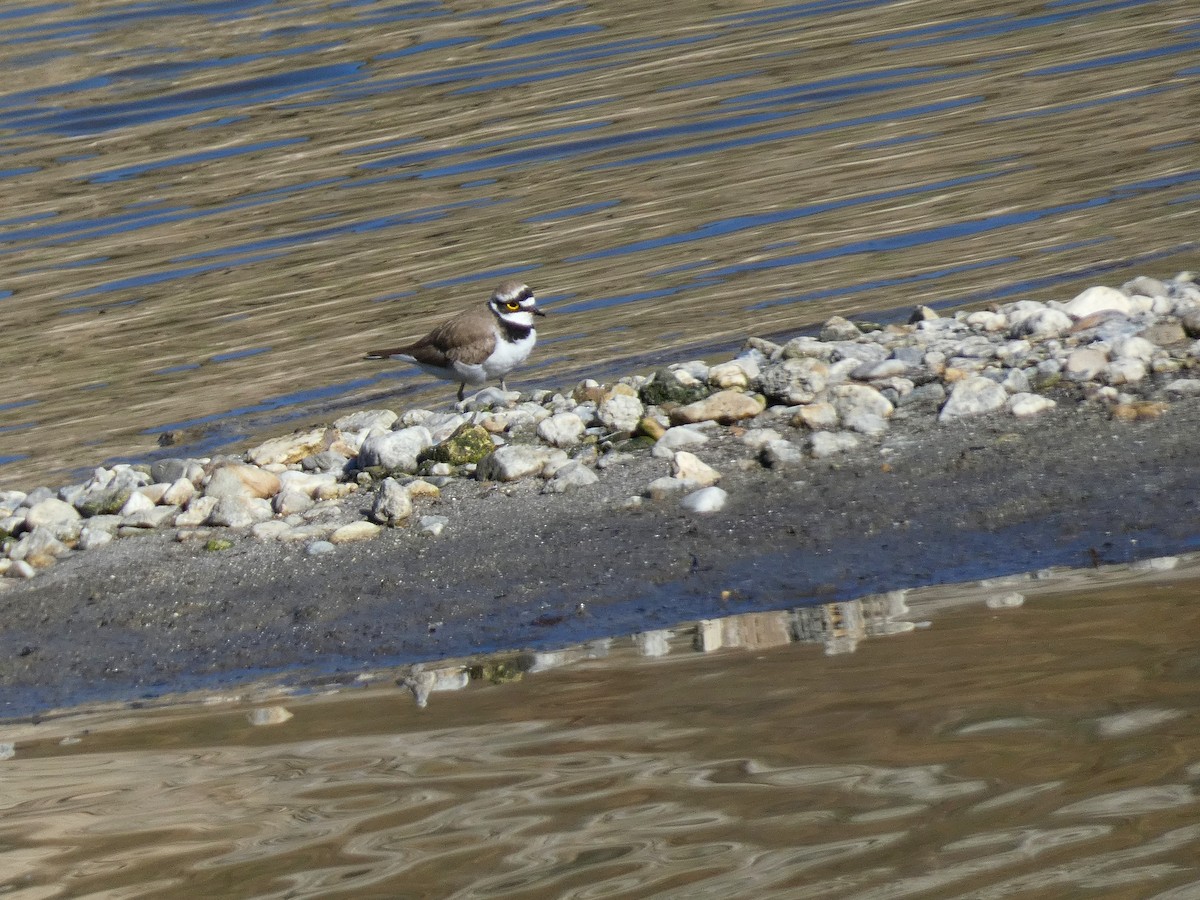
x,y
512,305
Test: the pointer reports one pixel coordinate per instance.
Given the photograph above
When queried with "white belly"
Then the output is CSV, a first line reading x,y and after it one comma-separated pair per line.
x,y
507,356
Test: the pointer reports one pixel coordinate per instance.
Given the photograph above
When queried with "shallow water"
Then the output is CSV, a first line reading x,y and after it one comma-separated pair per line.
x,y
942,748
212,209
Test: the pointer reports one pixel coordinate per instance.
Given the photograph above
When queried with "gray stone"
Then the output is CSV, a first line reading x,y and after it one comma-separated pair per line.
x,y
353,532
170,470
154,517
466,445
855,353
563,429
677,438
987,320
1134,347
794,381
21,569
326,461
885,368
270,530
37,495
1026,405
197,512
443,425
861,408
1190,321
490,398
367,420
291,448
179,492
661,488
697,368
1014,381
620,412
320,548
239,512
1042,324
932,393
725,407
689,467
705,500
306,482
290,501
124,475
973,396
819,416
90,538
913,357
137,502
515,462
392,503
668,386
99,500
238,481
1143,284
51,513
779,454
803,347
570,476
839,329
1097,299
432,525
1184,387
829,443
737,374
1124,371
757,438
1085,363
39,547
1009,600
396,450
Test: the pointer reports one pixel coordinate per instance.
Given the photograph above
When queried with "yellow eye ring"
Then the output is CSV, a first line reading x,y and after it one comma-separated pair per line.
x,y
512,305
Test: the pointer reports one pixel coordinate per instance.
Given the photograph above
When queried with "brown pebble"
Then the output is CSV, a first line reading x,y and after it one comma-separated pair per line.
x,y
1092,320
650,427
1139,410
1165,334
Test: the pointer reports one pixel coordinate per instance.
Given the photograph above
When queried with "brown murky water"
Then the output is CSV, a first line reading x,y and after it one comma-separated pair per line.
x,y
211,209
866,750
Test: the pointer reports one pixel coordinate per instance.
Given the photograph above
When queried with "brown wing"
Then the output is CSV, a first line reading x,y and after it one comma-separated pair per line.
x,y
467,338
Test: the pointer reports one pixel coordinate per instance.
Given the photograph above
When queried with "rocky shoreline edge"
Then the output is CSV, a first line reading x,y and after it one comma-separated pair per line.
x,y
680,443
1133,350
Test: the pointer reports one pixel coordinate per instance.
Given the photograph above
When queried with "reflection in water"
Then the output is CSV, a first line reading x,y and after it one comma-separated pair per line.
x,y
1046,750
211,208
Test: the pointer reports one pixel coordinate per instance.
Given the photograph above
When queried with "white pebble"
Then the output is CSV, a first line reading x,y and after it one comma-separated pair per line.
x,y
1023,406
705,500
1005,601
973,396
432,525
355,531
268,715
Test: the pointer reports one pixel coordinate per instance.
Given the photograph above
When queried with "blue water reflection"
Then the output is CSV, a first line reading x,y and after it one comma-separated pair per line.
x,y
325,171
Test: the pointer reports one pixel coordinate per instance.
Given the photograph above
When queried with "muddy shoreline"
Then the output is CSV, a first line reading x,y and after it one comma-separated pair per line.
x,y
932,503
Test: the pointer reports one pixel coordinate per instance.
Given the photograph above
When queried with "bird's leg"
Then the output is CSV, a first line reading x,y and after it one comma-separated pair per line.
x,y
503,385
461,387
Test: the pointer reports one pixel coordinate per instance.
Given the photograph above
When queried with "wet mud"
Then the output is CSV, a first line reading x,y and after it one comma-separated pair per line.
x,y
934,504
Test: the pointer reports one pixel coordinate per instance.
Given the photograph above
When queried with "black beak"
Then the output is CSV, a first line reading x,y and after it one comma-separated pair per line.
x,y
537,312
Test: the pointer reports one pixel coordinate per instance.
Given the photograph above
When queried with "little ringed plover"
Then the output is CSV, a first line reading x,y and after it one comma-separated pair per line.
x,y
479,345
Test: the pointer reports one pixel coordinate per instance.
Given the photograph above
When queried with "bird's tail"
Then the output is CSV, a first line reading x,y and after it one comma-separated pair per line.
x,y
383,354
